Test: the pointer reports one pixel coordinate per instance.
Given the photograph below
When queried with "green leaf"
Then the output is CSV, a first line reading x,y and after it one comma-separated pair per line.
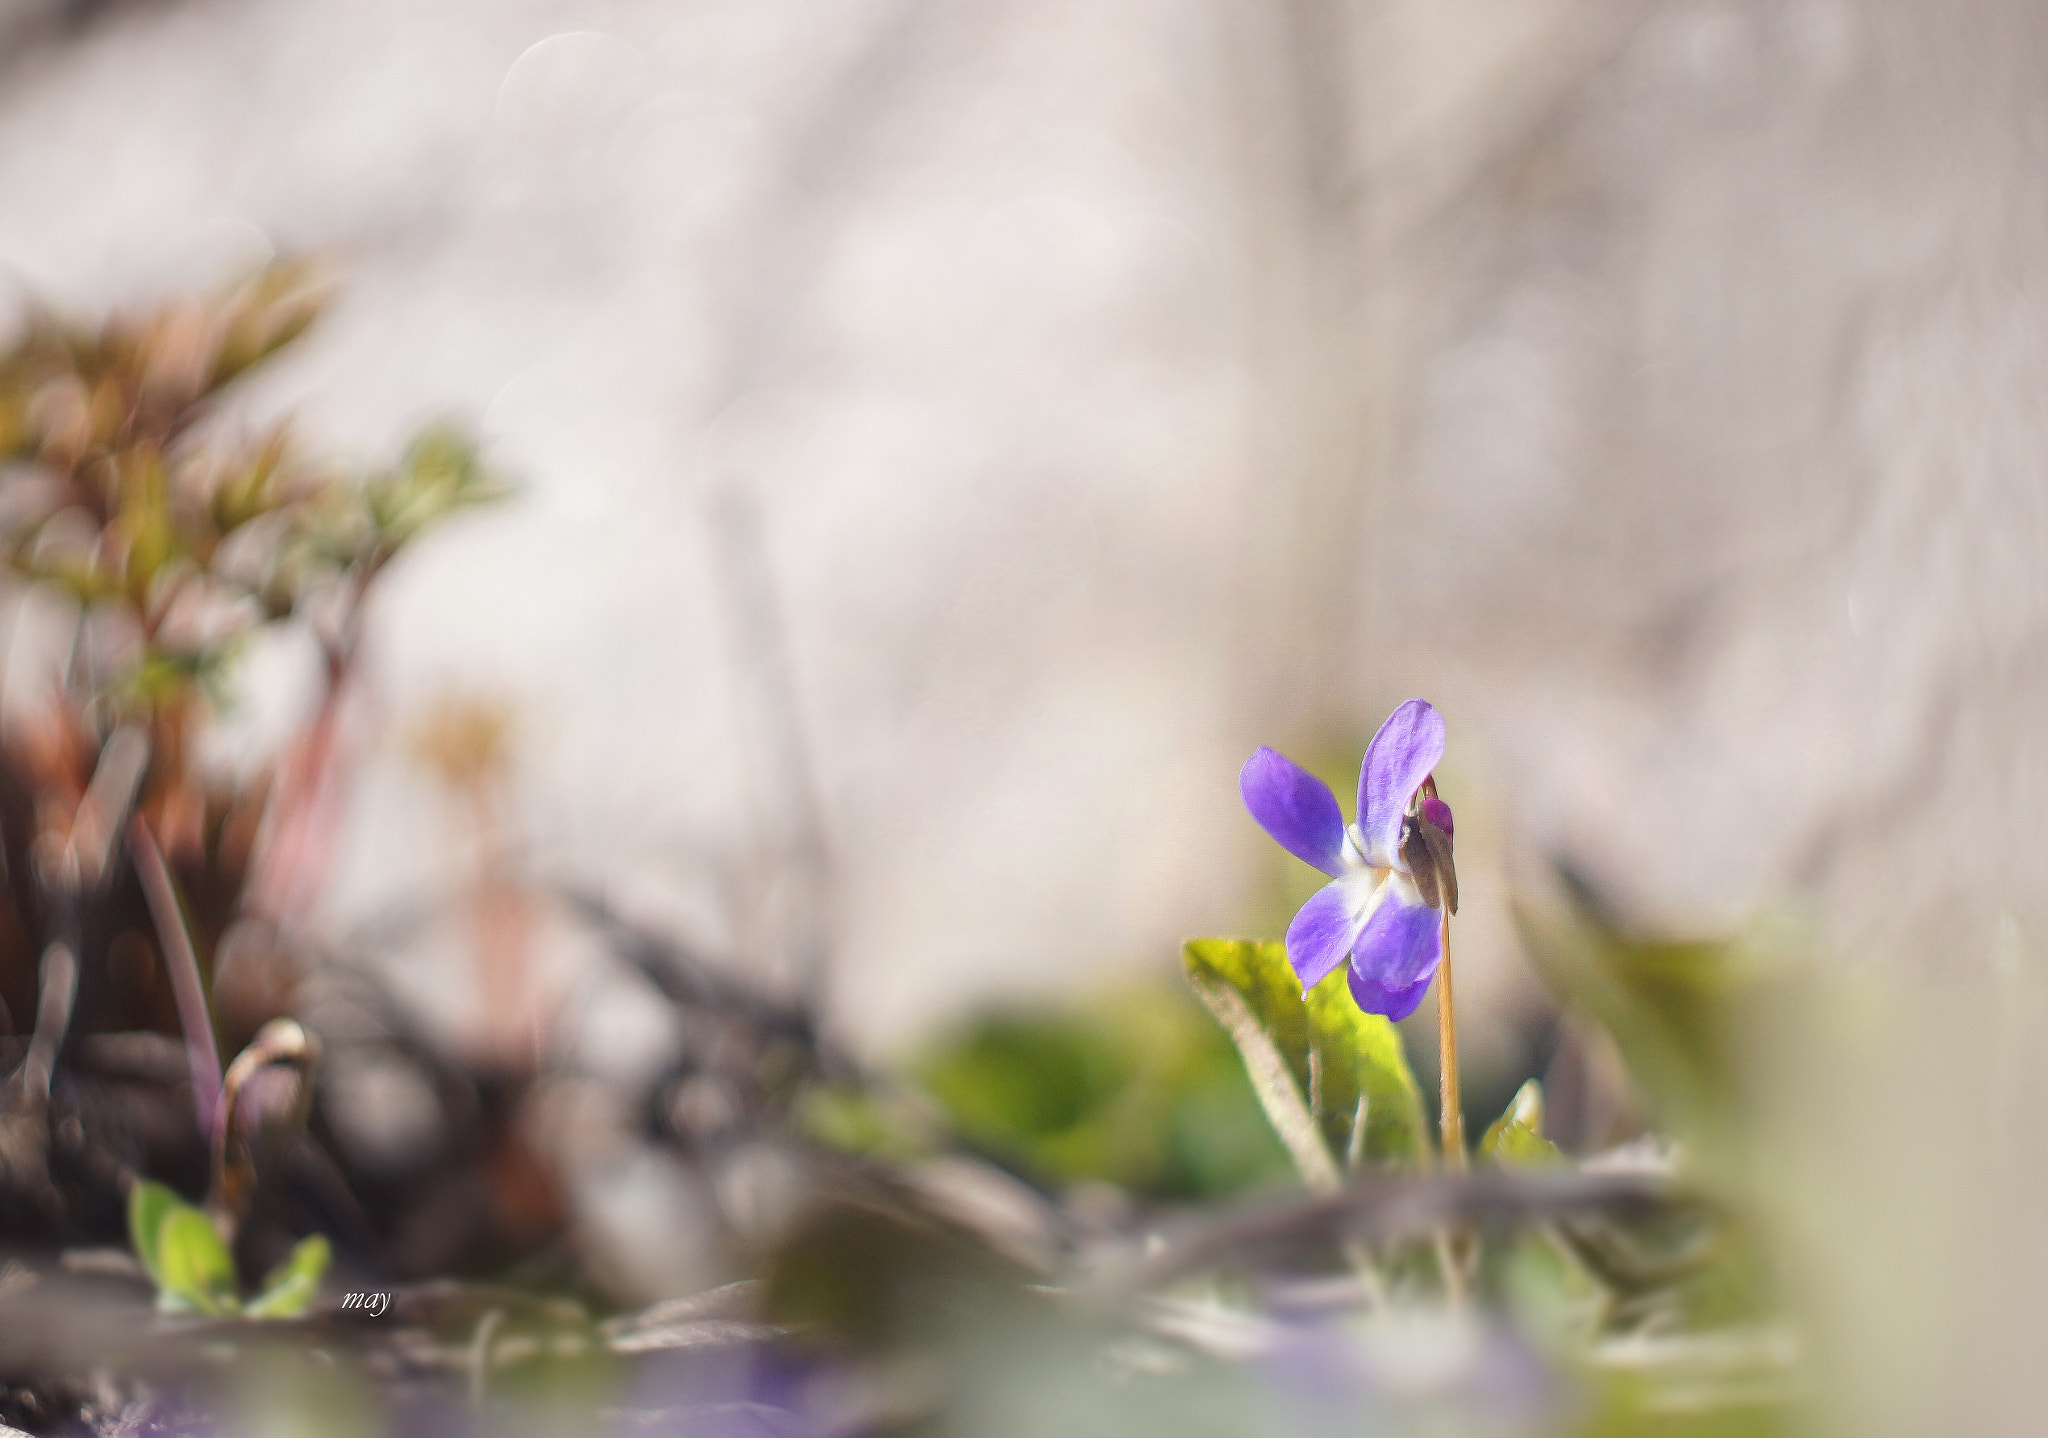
x,y
1280,1096
1337,1055
195,1269
149,1204
1515,1139
1133,1085
439,475
853,1120
269,311
291,1287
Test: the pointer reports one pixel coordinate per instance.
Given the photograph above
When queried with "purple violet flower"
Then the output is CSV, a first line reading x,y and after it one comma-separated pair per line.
x,y
1392,870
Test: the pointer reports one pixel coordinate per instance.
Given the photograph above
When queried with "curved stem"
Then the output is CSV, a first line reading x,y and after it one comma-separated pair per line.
x,y
1451,1126
181,962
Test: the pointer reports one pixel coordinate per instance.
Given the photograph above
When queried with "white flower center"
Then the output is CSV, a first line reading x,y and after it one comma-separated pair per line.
x,y
1354,849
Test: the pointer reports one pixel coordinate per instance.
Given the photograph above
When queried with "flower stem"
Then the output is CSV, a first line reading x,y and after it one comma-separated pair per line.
x,y
1451,1126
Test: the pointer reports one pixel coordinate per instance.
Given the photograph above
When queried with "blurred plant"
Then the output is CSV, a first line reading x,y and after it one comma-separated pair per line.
x,y
265,1097
1133,1088
466,743
189,1251
176,543
1516,1137
1687,1017
188,1260
161,543
1683,1012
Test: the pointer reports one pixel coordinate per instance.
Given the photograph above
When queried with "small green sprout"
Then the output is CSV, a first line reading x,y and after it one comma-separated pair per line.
x,y
194,1272
1515,1139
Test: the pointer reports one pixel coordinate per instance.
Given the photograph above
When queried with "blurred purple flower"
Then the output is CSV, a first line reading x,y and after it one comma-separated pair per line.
x,y
1392,870
1406,1374
758,1391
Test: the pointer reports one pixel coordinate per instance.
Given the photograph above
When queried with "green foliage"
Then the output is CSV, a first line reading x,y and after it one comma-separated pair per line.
x,y
194,1269
1740,1383
290,1288
1515,1139
273,308
1136,1088
194,1273
856,1120
148,1205
439,476
1311,1061
180,539
1337,1054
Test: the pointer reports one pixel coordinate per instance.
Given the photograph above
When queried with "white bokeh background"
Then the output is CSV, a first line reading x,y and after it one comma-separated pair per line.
x,y
1112,387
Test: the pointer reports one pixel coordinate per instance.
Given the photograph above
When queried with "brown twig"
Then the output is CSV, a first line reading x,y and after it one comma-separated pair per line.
x,y
59,990
1379,1208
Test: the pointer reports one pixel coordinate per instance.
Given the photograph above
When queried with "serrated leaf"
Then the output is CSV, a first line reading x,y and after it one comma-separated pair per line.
x,y
291,1287
195,1270
1336,1053
1515,1139
149,1204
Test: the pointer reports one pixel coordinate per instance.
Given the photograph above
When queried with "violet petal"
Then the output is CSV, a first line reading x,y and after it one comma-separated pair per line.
x,y
1295,807
1328,925
1375,998
1399,758
1398,948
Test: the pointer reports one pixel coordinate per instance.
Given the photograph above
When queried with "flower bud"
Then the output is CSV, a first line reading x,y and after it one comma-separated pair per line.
x,y
1426,850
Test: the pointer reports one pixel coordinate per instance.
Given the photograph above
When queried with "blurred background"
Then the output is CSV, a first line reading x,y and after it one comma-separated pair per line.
x,y
945,439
